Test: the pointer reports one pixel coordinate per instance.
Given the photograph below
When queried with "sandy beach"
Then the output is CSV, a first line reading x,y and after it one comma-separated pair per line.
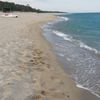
x,y
29,69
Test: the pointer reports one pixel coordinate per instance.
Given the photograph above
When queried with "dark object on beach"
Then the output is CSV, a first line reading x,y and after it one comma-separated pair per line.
x,y
16,16
43,92
68,96
8,13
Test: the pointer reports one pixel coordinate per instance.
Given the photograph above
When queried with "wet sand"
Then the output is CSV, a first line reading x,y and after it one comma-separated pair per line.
x,y
86,95
29,69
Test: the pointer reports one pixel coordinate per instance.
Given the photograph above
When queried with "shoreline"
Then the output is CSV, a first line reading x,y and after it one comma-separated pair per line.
x,y
74,91
86,94
31,69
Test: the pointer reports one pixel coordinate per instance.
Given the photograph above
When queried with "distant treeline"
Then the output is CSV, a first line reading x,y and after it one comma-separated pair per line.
x,y
22,8
17,7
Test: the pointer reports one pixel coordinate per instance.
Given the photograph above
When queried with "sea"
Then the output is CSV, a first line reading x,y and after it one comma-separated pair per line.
x,y
75,38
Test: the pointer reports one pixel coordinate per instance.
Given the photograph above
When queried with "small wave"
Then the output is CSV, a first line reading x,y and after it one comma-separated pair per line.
x,y
64,18
59,19
82,87
64,36
80,43
60,54
59,33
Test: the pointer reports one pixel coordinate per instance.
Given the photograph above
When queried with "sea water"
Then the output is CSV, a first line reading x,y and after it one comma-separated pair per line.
x,y
76,40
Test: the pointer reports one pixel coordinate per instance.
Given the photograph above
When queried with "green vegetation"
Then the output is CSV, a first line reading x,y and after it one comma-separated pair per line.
x,y
22,8
17,7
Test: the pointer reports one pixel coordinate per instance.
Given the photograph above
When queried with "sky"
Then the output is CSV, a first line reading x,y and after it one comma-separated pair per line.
x,y
63,5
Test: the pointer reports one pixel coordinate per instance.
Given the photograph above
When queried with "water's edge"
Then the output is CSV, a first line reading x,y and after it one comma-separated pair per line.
x,y
90,95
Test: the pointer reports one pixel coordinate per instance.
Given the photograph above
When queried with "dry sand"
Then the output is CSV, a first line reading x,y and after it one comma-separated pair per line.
x,y
29,69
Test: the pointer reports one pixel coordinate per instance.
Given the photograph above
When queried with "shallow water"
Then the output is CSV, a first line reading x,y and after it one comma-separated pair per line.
x,y
80,58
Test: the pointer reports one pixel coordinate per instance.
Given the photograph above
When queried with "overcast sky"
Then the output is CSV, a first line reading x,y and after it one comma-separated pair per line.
x,y
63,5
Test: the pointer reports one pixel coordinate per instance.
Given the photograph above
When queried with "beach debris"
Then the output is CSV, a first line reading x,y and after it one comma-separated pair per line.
x,y
43,92
34,97
68,96
9,15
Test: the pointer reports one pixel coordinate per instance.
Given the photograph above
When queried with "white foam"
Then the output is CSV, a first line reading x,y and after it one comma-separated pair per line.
x,y
64,36
68,59
82,87
59,34
62,55
70,39
65,18
82,45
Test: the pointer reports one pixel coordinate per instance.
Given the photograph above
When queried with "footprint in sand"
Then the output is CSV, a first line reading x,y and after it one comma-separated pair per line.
x,y
34,97
55,94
